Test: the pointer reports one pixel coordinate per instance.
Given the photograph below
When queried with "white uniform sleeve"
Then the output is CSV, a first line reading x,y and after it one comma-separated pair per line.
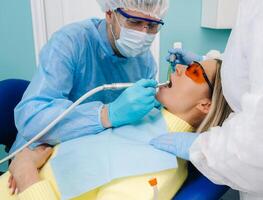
x,y
233,154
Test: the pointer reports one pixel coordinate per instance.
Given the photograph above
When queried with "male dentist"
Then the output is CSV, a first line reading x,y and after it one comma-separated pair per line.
x,y
87,54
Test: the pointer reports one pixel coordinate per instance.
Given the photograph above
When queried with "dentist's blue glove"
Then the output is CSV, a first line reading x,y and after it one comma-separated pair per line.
x,y
182,57
157,105
177,143
133,104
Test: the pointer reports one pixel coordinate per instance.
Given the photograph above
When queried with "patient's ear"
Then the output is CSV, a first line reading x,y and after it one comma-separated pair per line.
x,y
204,106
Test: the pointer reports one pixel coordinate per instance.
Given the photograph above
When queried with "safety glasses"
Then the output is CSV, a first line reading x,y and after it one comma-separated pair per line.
x,y
196,72
140,23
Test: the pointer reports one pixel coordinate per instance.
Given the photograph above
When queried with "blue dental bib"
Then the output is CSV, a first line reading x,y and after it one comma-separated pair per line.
x,y
86,163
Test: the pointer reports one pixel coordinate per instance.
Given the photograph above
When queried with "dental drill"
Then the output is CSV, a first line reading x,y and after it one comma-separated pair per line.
x,y
114,86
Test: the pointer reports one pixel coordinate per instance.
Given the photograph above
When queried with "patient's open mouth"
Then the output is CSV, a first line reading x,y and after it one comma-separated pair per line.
x,y
170,84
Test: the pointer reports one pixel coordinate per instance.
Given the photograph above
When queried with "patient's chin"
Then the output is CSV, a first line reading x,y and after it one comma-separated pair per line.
x,y
159,97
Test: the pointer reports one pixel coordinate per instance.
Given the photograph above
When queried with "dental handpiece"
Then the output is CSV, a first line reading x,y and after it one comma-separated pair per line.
x,y
118,86
163,84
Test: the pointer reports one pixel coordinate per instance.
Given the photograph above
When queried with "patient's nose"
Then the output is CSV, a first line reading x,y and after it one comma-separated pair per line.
x,y
180,69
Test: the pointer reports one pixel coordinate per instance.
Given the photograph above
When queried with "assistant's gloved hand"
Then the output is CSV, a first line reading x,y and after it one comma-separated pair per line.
x,y
183,57
133,104
176,143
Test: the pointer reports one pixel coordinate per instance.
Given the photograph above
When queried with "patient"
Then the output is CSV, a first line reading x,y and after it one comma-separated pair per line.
x,y
193,102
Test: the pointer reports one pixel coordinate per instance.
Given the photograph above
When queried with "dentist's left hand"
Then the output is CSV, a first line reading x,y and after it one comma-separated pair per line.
x,y
133,104
183,57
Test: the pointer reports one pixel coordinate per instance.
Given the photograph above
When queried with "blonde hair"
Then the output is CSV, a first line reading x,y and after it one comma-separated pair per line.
x,y
219,109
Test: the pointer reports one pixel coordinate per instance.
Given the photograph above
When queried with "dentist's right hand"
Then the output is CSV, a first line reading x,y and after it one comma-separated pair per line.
x,y
133,104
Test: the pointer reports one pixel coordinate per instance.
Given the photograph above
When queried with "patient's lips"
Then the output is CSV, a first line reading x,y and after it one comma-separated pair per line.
x,y
170,84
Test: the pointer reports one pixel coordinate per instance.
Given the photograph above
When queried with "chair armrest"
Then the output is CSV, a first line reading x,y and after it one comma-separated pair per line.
x,y
11,92
198,187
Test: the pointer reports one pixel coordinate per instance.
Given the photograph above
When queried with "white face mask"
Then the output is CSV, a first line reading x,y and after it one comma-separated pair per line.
x,y
132,43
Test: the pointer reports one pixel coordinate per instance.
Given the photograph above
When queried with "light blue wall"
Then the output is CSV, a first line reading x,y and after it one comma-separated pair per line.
x,y
17,59
183,24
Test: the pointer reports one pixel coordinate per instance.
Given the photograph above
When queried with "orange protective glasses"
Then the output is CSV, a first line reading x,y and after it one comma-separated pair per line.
x,y
196,72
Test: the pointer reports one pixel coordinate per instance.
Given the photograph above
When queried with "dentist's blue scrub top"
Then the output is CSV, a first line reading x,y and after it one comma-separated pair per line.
x,y
76,59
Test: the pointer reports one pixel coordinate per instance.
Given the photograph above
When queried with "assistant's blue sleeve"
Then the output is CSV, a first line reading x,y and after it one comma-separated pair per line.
x,y
47,96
